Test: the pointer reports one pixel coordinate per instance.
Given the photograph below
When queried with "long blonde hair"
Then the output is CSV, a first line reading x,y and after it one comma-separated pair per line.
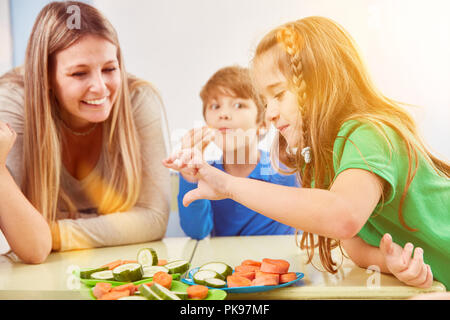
x,y
42,139
323,67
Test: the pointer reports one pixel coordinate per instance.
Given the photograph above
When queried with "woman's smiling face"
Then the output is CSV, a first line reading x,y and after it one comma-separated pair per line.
x,y
281,103
85,79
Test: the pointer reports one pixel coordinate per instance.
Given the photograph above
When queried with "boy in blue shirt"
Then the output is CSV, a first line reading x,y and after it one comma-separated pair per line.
x,y
234,114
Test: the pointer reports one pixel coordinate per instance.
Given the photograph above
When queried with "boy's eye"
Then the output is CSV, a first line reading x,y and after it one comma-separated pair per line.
x,y
238,105
214,106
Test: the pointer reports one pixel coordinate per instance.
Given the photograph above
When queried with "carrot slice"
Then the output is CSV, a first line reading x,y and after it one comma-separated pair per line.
x,y
248,275
268,279
162,262
197,291
114,295
251,263
275,266
238,281
101,288
259,274
128,286
113,264
163,278
288,277
246,268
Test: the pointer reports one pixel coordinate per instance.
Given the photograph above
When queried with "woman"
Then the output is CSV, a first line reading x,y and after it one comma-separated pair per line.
x,y
89,143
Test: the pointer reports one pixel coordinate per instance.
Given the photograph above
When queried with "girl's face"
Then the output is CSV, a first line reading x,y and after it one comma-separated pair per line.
x,y
282,105
236,120
85,79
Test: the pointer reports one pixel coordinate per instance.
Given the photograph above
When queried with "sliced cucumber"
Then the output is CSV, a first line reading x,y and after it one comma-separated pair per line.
x,y
215,283
201,275
147,293
178,266
133,298
149,271
220,267
163,292
85,273
128,272
103,275
147,257
182,295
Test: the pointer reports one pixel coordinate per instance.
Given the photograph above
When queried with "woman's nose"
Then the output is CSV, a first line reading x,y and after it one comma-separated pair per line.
x,y
98,83
272,112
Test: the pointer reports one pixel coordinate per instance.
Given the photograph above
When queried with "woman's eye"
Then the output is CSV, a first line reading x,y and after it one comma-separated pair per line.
x,y
110,70
78,74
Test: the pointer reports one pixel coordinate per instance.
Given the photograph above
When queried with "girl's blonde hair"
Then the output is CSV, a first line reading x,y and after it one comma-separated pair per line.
x,y
323,67
42,139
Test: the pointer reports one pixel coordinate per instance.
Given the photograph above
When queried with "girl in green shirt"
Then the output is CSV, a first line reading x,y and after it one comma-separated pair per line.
x,y
369,183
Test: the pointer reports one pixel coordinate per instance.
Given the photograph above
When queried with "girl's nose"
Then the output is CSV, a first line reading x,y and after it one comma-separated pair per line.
x,y
272,112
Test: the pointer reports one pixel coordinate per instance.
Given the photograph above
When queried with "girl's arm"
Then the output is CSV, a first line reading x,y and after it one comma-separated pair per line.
x,y
336,213
26,231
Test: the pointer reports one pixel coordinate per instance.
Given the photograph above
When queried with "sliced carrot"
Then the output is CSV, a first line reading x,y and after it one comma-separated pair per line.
x,y
266,280
238,281
262,274
101,288
163,278
197,292
251,263
246,268
128,286
162,262
114,295
113,264
288,277
248,275
275,266
149,284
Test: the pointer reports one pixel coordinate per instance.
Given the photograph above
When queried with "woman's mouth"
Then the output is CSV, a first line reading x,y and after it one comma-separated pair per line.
x,y
96,102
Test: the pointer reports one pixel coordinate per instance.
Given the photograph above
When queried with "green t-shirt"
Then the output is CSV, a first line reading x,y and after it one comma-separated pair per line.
x,y
427,203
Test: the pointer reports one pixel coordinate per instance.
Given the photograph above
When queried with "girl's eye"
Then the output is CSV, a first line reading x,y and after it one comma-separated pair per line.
x,y
214,106
280,95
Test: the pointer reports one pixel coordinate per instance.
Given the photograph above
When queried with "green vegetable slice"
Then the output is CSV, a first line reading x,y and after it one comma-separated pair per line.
x,y
103,275
181,294
215,283
85,273
178,266
147,257
133,298
149,271
128,272
163,292
147,293
220,267
201,275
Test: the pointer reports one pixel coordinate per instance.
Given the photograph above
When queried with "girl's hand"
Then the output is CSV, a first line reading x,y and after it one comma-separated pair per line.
x,y
412,271
192,147
7,139
213,184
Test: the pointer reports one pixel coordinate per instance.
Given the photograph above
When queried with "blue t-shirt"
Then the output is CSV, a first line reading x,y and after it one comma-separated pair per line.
x,y
228,217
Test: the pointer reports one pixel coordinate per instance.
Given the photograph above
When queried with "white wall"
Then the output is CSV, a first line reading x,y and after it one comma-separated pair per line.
x,y
5,38
179,44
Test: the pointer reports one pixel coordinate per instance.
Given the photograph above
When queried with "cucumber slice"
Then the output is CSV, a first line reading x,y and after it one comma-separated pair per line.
x,y
163,292
147,257
215,283
220,267
133,298
128,272
201,275
147,293
182,295
85,273
178,266
103,275
149,271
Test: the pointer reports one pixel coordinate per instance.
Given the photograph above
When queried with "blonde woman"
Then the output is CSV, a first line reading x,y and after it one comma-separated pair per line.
x,y
85,168
368,181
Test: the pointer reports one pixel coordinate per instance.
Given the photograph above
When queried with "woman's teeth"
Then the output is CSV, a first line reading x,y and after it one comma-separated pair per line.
x,y
96,102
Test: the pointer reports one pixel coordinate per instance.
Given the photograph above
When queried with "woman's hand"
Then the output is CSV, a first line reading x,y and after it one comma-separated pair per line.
x,y
192,147
7,139
412,271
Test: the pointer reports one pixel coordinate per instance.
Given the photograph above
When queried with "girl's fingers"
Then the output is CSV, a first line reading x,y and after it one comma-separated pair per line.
x,y
407,252
429,279
386,245
414,268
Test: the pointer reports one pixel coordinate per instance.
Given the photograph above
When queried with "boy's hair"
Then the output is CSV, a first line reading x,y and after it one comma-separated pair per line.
x,y
232,81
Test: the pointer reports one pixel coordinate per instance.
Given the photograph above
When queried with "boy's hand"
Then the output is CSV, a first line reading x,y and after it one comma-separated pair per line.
x,y
412,271
192,147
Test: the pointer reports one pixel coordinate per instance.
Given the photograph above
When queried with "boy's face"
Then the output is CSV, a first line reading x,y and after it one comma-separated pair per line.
x,y
235,119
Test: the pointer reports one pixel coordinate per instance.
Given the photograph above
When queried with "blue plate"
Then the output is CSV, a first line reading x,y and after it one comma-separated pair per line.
x,y
250,289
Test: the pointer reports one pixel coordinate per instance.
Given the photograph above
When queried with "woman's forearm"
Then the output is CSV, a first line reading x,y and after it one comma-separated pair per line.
x,y
310,210
27,232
